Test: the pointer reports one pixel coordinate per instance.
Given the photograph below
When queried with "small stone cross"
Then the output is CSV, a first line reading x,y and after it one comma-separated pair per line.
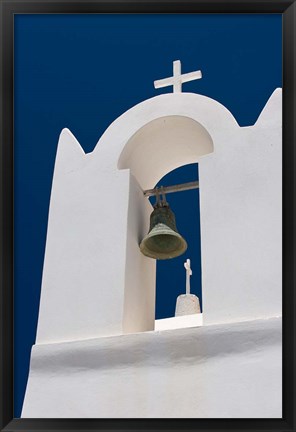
x,y
177,79
188,274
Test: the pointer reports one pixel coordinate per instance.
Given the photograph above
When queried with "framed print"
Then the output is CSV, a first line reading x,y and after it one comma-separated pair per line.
x,y
147,215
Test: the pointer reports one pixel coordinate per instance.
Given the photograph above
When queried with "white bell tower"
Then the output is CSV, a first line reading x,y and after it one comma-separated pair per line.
x,y
97,306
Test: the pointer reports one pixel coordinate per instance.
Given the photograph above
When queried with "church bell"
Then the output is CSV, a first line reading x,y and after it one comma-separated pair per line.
x,y
163,240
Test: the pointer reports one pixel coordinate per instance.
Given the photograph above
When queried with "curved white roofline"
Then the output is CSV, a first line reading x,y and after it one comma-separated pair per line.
x,y
209,113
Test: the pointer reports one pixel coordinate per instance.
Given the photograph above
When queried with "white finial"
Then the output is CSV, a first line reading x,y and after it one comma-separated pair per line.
x,y
177,79
188,274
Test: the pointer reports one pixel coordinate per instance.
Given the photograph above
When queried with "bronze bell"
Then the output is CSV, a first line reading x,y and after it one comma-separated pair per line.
x,y
163,240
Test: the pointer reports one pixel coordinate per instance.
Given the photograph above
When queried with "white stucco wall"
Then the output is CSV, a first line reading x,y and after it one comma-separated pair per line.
x,y
89,279
218,371
140,272
97,285
241,222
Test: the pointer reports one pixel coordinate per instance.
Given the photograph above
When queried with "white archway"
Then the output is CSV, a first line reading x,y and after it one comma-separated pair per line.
x,y
157,148
163,145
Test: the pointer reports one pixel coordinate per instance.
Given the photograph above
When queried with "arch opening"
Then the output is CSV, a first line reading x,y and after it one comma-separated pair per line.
x,y
157,149
170,274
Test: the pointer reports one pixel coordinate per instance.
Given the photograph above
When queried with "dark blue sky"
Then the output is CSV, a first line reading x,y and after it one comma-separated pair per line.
x,y
82,72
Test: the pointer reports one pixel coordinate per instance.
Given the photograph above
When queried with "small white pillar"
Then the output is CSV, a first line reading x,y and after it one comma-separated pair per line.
x,y
187,304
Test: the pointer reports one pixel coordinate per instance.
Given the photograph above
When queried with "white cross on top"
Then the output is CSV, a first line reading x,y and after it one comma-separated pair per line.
x,y
177,79
188,274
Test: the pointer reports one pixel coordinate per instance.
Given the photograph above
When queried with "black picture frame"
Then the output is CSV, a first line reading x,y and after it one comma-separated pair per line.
x,y
10,7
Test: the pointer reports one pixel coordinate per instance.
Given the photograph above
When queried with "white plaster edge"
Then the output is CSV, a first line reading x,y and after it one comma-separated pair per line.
x,y
194,320
151,332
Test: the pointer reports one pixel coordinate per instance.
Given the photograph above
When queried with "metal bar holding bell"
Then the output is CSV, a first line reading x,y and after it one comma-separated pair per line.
x,y
170,189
